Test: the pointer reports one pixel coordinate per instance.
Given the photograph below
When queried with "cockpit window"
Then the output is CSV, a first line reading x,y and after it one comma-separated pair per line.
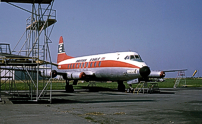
x,y
127,57
137,57
133,57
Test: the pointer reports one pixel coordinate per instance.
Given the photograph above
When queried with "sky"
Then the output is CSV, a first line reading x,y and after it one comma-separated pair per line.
x,y
166,33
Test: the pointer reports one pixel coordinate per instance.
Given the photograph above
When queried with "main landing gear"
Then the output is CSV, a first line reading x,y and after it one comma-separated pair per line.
x,y
121,86
69,88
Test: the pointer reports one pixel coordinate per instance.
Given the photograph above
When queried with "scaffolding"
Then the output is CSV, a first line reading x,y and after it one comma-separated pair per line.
x,y
180,79
34,52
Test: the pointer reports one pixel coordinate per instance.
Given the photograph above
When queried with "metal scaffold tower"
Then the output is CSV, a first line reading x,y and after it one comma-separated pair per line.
x,y
33,57
180,79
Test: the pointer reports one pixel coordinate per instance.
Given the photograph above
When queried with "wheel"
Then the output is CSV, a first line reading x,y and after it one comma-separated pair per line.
x,y
69,88
121,87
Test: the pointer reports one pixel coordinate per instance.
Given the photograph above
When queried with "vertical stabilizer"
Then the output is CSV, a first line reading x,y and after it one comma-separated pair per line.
x,y
61,52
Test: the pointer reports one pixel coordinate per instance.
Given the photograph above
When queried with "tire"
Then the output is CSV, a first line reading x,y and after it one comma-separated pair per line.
x,y
121,87
69,88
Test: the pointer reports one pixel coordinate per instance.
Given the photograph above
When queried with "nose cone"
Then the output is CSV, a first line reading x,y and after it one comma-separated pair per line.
x,y
145,71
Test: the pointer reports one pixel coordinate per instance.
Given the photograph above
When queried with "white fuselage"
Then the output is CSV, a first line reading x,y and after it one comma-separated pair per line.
x,y
111,66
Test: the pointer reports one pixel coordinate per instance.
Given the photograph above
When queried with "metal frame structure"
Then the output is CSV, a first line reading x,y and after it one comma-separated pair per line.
x,y
34,51
180,78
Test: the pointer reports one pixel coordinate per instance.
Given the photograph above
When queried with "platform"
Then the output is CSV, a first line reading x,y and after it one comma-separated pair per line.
x,y
29,1
41,23
17,60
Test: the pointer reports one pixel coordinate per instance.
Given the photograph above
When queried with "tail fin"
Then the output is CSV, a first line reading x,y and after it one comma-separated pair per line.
x,y
61,52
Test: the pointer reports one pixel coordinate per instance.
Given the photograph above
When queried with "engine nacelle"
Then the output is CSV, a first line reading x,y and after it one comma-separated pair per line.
x,y
76,75
157,74
68,75
48,73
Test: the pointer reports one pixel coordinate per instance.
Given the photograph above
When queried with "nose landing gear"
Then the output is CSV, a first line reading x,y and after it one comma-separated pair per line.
x,y
121,86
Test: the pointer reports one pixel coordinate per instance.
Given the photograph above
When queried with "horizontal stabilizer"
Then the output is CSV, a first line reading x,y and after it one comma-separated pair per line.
x,y
175,70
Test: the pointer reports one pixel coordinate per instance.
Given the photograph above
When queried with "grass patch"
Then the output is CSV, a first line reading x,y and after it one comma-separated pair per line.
x,y
60,85
191,82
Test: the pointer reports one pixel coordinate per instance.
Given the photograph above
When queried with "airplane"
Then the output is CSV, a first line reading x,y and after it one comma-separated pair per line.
x,y
118,66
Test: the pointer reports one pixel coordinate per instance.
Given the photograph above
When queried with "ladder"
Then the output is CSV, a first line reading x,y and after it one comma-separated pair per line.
x,y
178,79
177,82
140,87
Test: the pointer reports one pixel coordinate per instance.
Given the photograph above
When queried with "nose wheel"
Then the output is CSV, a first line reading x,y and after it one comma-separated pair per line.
x,y
121,86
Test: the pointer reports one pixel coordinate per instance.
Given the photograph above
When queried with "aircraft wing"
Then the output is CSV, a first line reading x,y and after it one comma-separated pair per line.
x,y
161,74
47,62
175,70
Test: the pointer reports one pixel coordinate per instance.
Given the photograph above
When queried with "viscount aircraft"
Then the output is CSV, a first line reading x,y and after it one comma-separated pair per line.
x,y
118,66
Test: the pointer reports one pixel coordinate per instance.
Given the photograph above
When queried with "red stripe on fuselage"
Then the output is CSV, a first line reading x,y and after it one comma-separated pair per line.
x,y
106,63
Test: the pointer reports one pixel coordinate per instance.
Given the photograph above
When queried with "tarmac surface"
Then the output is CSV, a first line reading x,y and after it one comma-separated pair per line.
x,y
183,105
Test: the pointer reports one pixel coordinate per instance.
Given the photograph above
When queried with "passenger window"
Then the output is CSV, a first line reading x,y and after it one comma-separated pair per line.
x,y
80,65
83,65
73,65
70,65
77,65
91,64
95,64
86,64
99,64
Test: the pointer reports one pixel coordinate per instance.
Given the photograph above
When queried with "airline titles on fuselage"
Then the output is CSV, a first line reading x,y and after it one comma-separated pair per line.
x,y
92,59
81,60
95,59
